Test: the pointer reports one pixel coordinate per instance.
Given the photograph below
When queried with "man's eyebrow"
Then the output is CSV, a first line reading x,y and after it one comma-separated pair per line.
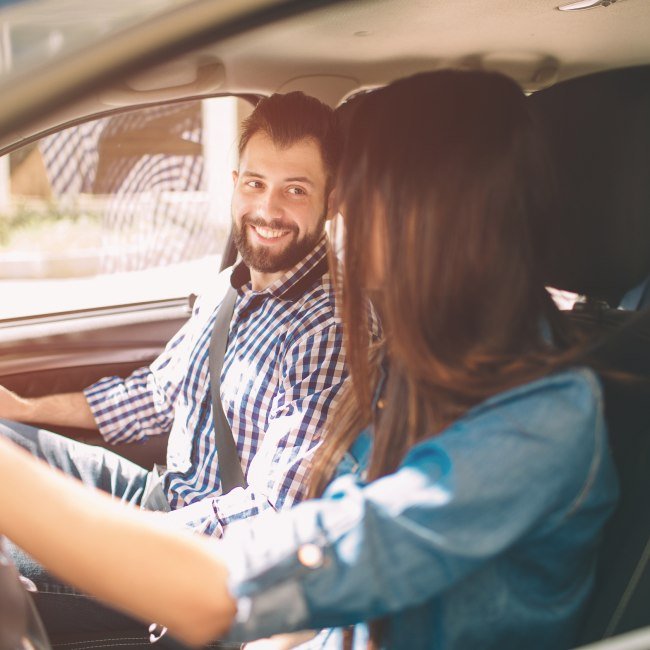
x,y
249,173
299,179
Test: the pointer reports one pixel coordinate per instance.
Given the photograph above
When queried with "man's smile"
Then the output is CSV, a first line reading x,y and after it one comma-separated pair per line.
x,y
269,234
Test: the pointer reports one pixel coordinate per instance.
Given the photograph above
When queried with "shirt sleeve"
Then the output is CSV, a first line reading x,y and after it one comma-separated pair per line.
x,y
313,372
367,550
142,405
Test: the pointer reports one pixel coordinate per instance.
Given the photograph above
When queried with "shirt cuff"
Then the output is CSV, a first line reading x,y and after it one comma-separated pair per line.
x,y
99,396
240,503
211,515
123,407
196,516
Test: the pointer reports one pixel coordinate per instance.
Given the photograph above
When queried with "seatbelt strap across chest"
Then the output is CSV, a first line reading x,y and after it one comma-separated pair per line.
x,y
230,470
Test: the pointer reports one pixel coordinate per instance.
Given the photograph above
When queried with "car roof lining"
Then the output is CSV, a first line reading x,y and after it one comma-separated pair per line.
x,y
333,49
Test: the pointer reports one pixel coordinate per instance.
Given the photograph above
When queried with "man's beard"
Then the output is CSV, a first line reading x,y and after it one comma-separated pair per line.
x,y
263,260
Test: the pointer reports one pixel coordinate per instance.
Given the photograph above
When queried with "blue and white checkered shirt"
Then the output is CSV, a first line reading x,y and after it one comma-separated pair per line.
x,y
283,368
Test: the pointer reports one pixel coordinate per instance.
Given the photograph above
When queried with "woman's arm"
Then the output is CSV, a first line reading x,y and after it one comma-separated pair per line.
x,y
129,558
505,473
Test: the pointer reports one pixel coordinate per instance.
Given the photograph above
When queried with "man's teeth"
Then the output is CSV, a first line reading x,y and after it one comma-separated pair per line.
x,y
269,233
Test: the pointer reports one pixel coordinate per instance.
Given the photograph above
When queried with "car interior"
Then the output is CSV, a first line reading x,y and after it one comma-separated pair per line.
x,y
597,134
586,68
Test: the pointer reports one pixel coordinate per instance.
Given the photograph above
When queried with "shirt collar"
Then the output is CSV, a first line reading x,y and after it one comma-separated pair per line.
x,y
281,288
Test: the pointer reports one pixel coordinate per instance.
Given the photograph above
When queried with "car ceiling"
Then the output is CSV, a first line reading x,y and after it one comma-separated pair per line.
x,y
372,42
330,51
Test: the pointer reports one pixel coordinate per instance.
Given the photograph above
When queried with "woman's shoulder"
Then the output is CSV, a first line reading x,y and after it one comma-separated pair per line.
x,y
549,431
571,387
566,405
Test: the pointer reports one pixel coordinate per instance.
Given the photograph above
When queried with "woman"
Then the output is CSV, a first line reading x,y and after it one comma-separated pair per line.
x,y
485,476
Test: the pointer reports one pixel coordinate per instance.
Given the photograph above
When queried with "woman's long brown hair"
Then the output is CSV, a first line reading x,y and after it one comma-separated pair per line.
x,y
446,170
446,197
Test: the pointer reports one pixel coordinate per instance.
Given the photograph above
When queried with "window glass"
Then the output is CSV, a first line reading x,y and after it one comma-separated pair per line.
x,y
127,208
36,32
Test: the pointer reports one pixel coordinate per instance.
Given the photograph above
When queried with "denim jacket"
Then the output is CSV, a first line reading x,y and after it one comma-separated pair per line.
x,y
485,537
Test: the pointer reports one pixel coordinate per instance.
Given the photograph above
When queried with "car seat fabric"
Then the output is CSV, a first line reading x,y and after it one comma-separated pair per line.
x,y
622,592
598,135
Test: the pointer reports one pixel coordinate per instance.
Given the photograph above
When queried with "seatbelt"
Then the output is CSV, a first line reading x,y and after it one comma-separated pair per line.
x,y
228,461
230,470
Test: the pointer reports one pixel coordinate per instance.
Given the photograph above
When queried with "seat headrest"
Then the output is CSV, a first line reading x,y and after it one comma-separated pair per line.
x,y
598,132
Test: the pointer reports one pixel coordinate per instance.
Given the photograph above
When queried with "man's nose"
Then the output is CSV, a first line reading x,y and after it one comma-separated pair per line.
x,y
270,205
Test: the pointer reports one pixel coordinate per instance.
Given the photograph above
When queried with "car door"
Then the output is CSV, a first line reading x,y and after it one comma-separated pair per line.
x,y
108,228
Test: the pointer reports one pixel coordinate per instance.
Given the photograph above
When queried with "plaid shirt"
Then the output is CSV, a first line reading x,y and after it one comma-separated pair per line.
x,y
283,367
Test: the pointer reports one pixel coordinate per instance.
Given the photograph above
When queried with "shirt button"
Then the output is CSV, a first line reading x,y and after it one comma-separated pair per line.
x,y
310,556
380,403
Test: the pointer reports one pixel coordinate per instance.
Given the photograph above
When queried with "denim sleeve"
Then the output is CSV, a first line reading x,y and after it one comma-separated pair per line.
x,y
506,471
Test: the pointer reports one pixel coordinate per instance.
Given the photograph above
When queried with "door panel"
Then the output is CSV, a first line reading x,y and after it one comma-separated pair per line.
x,y
106,227
38,358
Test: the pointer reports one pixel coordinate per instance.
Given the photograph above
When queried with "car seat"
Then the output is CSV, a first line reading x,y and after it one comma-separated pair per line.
x,y
637,298
598,135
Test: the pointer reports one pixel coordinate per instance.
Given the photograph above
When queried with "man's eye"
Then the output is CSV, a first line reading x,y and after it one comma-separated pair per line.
x,y
254,184
298,191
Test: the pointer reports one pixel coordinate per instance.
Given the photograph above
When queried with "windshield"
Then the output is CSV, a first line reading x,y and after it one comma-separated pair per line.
x,y
37,31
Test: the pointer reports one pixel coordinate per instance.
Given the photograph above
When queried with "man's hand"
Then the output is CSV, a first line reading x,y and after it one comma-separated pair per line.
x,y
66,409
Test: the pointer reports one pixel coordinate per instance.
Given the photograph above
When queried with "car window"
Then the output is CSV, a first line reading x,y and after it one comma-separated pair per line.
x,y
127,208
30,36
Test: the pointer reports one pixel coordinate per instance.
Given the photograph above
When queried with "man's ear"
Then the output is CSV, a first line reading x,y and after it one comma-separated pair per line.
x,y
332,204
235,176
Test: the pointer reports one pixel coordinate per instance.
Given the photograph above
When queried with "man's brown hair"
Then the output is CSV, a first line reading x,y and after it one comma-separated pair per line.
x,y
293,117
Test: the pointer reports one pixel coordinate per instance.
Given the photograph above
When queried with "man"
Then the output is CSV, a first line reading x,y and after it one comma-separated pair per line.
x,y
284,362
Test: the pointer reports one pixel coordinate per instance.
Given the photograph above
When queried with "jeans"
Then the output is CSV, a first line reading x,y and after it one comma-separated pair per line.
x,y
63,609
